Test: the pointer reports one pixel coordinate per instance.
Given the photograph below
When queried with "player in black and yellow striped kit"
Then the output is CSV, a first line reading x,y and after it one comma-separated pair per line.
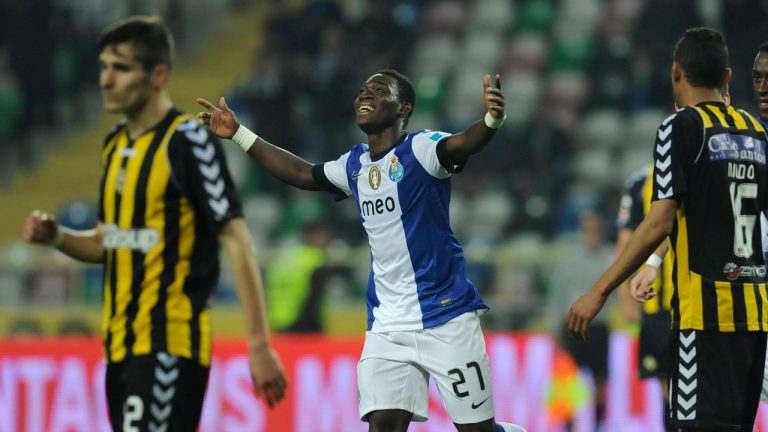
x,y
166,203
710,186
654,314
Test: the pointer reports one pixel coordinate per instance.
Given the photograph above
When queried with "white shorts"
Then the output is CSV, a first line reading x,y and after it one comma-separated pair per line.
x,y
394,370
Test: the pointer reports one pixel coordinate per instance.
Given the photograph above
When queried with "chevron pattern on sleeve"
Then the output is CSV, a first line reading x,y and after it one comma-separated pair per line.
x,y
209,167
663,159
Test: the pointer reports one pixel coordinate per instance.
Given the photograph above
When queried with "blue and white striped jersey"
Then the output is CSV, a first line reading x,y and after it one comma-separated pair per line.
x,y
418,277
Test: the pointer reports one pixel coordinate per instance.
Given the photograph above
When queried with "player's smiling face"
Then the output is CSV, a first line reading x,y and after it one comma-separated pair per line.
x,y
125,85
760,82
377,104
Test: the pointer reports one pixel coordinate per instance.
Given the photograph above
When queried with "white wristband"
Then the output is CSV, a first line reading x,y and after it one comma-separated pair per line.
x,y
244,137
493,122
654,260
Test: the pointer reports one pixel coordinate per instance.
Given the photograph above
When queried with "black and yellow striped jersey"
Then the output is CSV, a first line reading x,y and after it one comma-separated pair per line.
x,y
163,198
635,202
711,159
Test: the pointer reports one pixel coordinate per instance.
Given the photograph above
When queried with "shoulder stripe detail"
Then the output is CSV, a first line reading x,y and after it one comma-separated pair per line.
x,y
738,120
720,117
705,117
758,127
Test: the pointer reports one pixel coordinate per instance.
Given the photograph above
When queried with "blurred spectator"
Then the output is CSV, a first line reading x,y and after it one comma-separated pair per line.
x,y
572,276
265,97
380,40
11,117
540,166
26,29
30,35
745,23
306,27
655,33
49,286
73,73
296,282
333,73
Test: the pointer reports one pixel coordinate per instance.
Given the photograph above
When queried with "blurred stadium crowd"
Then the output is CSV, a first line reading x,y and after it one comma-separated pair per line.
x,y
586,84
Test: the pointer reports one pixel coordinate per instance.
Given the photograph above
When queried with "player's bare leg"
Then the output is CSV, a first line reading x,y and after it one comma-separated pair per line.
x,y
392,420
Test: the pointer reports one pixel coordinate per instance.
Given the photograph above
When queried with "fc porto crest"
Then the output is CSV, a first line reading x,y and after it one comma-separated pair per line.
x,y
374,177
396,169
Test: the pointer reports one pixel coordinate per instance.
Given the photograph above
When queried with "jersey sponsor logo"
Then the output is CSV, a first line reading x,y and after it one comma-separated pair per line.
x,y
356,174
733,271
374,177
396,169
377,206
143,239
737,148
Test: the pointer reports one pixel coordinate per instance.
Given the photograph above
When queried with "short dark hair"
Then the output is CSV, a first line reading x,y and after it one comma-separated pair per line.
x,y
150,36
703,55
405,91
763,47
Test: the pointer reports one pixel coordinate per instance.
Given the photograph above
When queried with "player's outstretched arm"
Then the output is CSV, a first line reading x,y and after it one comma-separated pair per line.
x,y
281,163
656,226
460,146
267,371
43,229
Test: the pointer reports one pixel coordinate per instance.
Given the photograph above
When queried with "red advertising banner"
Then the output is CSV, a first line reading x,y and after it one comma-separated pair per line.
x,y
57,385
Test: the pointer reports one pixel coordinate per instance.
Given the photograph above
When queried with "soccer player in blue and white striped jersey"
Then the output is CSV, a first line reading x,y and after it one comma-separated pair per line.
x,y
423,312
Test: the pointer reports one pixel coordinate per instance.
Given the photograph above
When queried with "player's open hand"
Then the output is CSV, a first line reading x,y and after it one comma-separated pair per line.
x,y
40,228
582,312
492,96
267,374
639,286
222,122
